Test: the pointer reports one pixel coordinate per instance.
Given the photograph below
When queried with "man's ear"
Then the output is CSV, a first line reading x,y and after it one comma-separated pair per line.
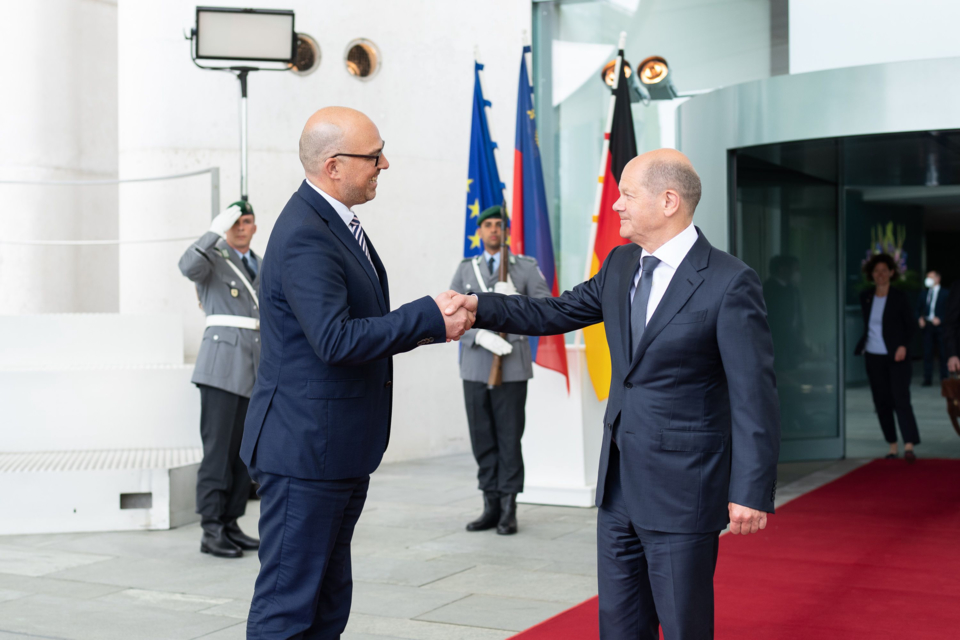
x,y
671,203
331,168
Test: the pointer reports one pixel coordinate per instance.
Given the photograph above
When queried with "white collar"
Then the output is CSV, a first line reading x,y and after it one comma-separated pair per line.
x,y
342,210
674,250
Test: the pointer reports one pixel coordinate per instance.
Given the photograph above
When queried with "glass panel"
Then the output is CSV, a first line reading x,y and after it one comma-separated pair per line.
x,y
786,227
707,43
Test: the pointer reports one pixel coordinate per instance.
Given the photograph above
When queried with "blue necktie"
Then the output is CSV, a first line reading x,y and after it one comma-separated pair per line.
x,y
638,311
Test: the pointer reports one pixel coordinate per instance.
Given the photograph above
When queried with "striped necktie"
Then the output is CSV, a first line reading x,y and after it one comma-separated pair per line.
x,y
357,231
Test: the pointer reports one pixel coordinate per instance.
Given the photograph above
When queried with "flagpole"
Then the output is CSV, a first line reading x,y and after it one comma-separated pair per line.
x,y
591,244
486,112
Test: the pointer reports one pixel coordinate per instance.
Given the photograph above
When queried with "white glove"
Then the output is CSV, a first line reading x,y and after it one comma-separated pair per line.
x,y
506,288
493,343
226,219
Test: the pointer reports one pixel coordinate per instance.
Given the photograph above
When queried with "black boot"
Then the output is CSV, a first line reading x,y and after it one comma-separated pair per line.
x,y
491,513
508,514
238,537
215,540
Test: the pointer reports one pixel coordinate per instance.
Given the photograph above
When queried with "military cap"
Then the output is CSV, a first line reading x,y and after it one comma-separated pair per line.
x,y
496,211
244,206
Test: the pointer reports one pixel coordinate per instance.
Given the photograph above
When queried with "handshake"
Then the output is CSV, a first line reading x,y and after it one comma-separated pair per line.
x,y
460,312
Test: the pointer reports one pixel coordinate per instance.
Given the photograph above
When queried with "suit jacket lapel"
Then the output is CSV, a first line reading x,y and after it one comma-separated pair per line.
x,y
381,273
342,232
685,281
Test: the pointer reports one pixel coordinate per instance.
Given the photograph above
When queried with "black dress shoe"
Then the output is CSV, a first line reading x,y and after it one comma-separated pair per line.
x,y
238,537
491,513
927,383
216,543
508,515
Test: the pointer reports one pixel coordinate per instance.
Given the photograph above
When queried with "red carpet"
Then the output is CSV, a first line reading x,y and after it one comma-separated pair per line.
x,y
873,555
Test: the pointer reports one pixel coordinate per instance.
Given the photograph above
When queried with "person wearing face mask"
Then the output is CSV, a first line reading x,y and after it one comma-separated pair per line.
x,y
930,309
888,325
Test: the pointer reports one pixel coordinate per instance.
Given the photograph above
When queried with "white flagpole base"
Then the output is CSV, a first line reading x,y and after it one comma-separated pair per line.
x,y
562,438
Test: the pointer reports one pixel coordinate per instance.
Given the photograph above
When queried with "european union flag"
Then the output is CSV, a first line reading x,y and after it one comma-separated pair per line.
x,y
484,188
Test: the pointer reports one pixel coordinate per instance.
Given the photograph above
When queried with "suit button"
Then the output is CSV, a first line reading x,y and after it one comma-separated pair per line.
x,y
628,385
388,384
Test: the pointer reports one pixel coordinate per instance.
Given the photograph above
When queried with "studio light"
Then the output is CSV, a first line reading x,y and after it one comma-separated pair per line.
x,y
608,70
655,77
252,35
245,36
651,83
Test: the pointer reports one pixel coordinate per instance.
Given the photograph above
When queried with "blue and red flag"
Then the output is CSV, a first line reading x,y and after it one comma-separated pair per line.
x,y
529,218
484,188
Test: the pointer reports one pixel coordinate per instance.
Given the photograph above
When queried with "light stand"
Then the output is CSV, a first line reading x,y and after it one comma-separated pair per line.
x,y
227,35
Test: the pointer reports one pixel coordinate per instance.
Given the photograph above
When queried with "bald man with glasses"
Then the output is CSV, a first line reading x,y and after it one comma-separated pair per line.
x,y
319,418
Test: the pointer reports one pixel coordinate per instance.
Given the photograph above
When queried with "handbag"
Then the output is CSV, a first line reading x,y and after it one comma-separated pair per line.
x,y
950,389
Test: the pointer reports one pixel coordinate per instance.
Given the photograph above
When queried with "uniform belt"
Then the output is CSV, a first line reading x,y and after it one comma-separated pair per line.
x,y
240,322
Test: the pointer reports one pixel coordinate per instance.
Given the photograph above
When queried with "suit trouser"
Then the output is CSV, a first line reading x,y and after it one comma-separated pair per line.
x,y
890,384
650,579
223,483
496,419
305,583
933,343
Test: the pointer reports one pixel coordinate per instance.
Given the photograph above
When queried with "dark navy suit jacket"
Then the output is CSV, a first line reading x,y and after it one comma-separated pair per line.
x,y
322,404
697,402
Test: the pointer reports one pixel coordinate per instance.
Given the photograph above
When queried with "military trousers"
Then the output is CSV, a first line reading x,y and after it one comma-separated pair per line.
x,y
496,419
223,483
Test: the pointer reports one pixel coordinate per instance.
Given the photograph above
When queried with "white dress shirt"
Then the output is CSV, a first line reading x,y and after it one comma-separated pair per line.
x,y
342,210
934,292
671,254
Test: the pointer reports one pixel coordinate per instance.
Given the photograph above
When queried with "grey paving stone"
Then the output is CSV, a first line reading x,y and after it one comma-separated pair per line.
x,y
347,635
185,576
406,572
34,561
419,630
54,587
92,620
163,600
232,609
511,582
19,636
6,595
236,632
493,612
398,601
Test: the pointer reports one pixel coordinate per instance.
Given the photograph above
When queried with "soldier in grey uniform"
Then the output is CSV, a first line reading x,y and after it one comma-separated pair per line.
x,y
225,271
495,416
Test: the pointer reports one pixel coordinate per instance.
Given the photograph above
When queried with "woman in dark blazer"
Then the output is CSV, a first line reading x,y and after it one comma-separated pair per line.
x,y
888,324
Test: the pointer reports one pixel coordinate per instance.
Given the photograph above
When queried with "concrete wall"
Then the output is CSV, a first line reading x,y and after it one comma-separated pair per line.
x,y
174,117
58,122
826,34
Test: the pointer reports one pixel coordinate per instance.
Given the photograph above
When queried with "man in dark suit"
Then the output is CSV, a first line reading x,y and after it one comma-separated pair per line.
x,y
692,428
931,307
319,417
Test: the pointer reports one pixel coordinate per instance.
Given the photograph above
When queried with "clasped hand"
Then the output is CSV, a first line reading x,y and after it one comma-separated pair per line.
x,y
459,312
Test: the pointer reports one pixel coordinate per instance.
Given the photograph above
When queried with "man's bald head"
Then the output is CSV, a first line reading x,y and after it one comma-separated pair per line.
x,y
668,169
659,192
324,132
341,152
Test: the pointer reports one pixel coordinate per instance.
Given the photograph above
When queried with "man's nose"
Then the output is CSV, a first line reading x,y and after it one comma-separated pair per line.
x,y
384,163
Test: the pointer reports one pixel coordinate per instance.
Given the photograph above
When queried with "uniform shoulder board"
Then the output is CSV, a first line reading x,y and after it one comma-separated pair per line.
x,y
466,260
224,253
526,258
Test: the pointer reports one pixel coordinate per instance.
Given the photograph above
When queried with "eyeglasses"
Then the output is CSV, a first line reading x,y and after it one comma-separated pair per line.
x,y
375,157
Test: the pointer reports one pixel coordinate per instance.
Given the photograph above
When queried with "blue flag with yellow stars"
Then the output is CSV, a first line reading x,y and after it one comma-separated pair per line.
x,y
484,188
